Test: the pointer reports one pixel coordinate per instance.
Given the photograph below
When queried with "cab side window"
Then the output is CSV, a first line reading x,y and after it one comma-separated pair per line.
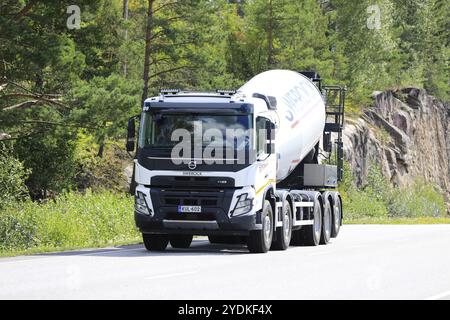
x,y
261,137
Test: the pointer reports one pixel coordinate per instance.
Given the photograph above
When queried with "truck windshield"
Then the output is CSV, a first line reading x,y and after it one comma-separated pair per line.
x,y
165,130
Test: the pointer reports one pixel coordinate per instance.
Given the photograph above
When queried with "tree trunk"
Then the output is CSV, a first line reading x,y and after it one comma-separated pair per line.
x,y
25,10
125,17
147,49
101,149
270,36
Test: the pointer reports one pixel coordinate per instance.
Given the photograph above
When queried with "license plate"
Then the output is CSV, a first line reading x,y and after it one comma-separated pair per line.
x,y
189,209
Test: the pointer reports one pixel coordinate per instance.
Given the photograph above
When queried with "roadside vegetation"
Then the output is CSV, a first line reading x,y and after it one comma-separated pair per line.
x,y
72,220
67,91
399,221
379,202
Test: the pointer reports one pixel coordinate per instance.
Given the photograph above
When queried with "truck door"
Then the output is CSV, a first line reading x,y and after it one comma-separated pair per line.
x,y
265,155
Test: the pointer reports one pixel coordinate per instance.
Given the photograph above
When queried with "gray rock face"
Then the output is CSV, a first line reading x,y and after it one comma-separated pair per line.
x,y
407,133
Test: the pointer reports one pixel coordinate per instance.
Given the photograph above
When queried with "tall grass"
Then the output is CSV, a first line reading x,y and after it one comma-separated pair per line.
x,y
378,199
72,220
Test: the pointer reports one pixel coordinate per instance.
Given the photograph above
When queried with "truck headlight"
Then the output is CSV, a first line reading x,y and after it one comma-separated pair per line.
x,y
140,204
243,205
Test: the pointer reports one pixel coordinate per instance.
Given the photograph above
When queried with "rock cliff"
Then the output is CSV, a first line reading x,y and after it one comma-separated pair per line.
x,y
407,133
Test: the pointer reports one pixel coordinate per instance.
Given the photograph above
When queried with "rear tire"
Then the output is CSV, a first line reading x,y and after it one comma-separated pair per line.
x,y
155,242
181,241
284,233
326,222
259,241
311,234
337,218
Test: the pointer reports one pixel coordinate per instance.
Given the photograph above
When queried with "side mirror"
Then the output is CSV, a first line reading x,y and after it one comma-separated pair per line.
x,y
131,134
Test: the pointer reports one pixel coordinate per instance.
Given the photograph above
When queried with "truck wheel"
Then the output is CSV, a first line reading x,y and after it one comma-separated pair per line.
x,y
337,218
284,234
181,241
311,234
155,242
326,222
259,241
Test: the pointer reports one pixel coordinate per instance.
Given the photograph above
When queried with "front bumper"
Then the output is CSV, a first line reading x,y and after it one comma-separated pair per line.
x,y
213,220
239,226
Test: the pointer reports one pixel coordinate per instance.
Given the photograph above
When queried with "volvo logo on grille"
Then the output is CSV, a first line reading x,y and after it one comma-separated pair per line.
x,y
192,165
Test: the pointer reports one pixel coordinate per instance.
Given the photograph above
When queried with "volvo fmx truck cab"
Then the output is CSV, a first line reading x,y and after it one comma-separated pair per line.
x,y
240,166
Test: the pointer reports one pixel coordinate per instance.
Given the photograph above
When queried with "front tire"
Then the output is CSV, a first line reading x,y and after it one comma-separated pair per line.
x,y
181,241
155,242
284,234
259,241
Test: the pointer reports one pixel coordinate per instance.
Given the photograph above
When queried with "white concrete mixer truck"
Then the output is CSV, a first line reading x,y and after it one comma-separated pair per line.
x,y
240,166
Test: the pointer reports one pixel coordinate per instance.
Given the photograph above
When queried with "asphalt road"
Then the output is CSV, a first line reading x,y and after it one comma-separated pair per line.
x,y
364,262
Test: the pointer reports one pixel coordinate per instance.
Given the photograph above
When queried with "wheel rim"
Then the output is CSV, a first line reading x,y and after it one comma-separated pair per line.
x,y
337,218
317,225
267,230
327,222
287,227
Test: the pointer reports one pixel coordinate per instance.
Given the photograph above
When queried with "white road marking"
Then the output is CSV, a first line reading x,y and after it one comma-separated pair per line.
x,y
169,275
439,296
88,253
56,255
113,251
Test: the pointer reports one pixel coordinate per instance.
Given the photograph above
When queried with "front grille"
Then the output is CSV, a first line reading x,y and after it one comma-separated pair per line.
x,y
193,182
189,202
215,203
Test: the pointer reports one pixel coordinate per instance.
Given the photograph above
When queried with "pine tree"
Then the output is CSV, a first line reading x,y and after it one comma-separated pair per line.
x,y
370,42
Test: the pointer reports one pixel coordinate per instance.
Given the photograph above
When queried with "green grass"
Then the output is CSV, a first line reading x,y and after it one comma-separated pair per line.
x,y
378,201
72,221
386,220
101,219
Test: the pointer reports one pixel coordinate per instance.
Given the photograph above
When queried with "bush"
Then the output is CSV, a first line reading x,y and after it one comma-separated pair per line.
x,y
367,201
362,204
419,200
17,230
51,157
71,220
12,178
97,173
377,187
378,199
